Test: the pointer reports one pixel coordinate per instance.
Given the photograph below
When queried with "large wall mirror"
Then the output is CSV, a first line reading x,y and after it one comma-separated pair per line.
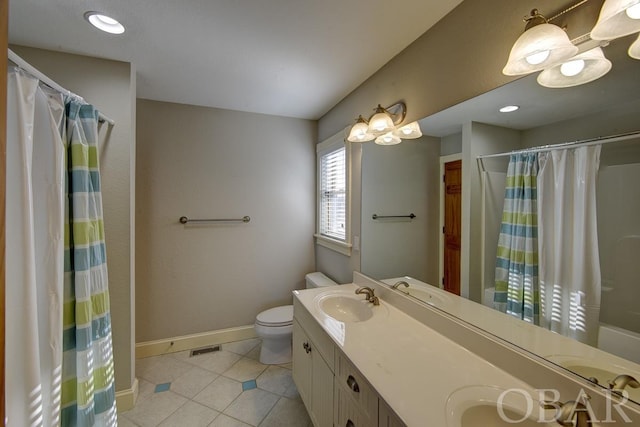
x,y
407,179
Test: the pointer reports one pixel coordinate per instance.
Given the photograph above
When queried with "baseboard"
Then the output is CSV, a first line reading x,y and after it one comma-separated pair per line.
x,y
126,399
188,342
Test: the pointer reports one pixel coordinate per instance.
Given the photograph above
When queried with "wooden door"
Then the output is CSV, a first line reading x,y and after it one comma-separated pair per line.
x,y
451,229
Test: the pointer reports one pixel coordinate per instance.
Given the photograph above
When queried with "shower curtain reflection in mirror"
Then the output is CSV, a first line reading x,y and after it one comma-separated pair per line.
x,y
547,267
58,330
568,239
516,283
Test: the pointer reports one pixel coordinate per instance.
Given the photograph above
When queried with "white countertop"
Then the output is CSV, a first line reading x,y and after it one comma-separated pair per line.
x,y
412,367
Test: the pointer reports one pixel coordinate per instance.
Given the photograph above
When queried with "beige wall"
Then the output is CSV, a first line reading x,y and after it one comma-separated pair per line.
x,y
110,86
210,163
399,180
461,57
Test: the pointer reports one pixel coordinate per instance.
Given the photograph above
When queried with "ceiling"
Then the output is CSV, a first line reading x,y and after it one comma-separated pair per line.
x,y
293,58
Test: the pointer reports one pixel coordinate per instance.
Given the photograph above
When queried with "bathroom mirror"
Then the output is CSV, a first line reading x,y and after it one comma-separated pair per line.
x,y
406,178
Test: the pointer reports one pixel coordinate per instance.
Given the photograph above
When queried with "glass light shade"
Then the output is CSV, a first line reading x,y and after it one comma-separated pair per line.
x,y
408,131
634,49
104,23
359,132
380,123
595,65
617,18
388,139
537,48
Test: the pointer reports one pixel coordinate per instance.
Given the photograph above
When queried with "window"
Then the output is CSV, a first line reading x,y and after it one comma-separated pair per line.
x,y
333,195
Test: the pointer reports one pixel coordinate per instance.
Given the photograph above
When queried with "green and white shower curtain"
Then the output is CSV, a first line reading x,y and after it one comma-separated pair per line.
x,y
59,359
516,284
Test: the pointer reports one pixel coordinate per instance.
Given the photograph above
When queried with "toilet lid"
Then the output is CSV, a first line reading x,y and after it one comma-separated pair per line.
x,y
277,316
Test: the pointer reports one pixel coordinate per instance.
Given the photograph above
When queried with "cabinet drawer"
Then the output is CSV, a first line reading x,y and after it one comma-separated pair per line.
x,y
347,413
323,343
356,387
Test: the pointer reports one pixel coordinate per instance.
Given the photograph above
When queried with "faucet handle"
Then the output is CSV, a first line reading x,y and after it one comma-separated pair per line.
x,y
569,411
621,381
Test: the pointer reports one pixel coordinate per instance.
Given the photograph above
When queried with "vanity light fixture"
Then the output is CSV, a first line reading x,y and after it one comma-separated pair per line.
x,y
104,22
509,108
583,68
634,49
541,45
544,46
617,18
384,126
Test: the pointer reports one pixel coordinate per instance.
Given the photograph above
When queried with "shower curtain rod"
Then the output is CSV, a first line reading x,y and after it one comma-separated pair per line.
x,y
583,142
24,65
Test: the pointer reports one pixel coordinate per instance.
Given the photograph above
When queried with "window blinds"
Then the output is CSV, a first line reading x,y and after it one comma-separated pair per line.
x,y
333,190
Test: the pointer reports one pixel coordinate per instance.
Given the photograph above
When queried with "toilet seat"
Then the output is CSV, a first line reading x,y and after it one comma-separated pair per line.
x,y
277,316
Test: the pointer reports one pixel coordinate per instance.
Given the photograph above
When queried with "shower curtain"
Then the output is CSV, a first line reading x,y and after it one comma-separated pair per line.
x,y
58,333
568,238
516,281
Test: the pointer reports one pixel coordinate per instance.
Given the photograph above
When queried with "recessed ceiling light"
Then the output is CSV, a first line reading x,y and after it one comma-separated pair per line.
x,y
509,108
104,22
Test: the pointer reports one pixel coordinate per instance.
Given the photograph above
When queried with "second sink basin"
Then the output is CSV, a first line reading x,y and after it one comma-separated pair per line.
x,y
481,405
346,307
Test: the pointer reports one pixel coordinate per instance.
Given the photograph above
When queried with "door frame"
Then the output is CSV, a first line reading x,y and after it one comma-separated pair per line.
x,y
4,34
443,160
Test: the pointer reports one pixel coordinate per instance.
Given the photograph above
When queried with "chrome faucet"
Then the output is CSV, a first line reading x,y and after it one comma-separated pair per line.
x,y
398,283
371,297
621,381
570,413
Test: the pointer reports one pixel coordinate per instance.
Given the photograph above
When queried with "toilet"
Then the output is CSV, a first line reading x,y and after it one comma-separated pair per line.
x,y
275,326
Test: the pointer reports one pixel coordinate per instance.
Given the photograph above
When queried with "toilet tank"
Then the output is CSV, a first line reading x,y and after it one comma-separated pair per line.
x,y
317,280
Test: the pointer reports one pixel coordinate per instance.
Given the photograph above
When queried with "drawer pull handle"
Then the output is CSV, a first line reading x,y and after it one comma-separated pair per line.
x,y
350,424
353,385
306,347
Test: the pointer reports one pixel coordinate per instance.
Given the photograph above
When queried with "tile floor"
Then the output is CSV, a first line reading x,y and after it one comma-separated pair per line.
x,y
227,388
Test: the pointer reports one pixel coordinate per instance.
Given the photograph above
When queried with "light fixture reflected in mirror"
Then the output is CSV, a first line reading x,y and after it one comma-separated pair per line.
x,y
509,108
634,49
540,46
617,18
384,126
583,68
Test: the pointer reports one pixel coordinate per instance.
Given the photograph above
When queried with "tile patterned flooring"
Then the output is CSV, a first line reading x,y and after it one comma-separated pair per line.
x,y
227,388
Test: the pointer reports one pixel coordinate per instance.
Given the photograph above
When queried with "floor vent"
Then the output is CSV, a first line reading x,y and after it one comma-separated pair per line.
x,y
204,350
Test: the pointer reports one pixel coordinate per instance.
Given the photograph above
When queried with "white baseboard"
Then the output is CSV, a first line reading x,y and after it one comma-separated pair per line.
x,y
126,399
188,342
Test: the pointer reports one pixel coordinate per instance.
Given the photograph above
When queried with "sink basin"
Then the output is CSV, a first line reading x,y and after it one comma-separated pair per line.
x,y
426,295
346,306
482,405
592,368
421,290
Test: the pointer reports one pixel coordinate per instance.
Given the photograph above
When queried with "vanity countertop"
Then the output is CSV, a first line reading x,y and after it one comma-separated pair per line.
x,y
412,367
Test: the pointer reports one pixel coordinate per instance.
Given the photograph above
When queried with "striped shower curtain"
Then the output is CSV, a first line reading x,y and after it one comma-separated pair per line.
x,y
88,394
516,284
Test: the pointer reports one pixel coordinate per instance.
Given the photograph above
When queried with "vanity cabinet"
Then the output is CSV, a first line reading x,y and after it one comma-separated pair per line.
x,y
334,392
313,360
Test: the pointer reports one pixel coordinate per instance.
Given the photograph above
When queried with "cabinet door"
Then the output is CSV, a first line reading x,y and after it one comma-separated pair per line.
x,y
322,392
387,418
302,364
